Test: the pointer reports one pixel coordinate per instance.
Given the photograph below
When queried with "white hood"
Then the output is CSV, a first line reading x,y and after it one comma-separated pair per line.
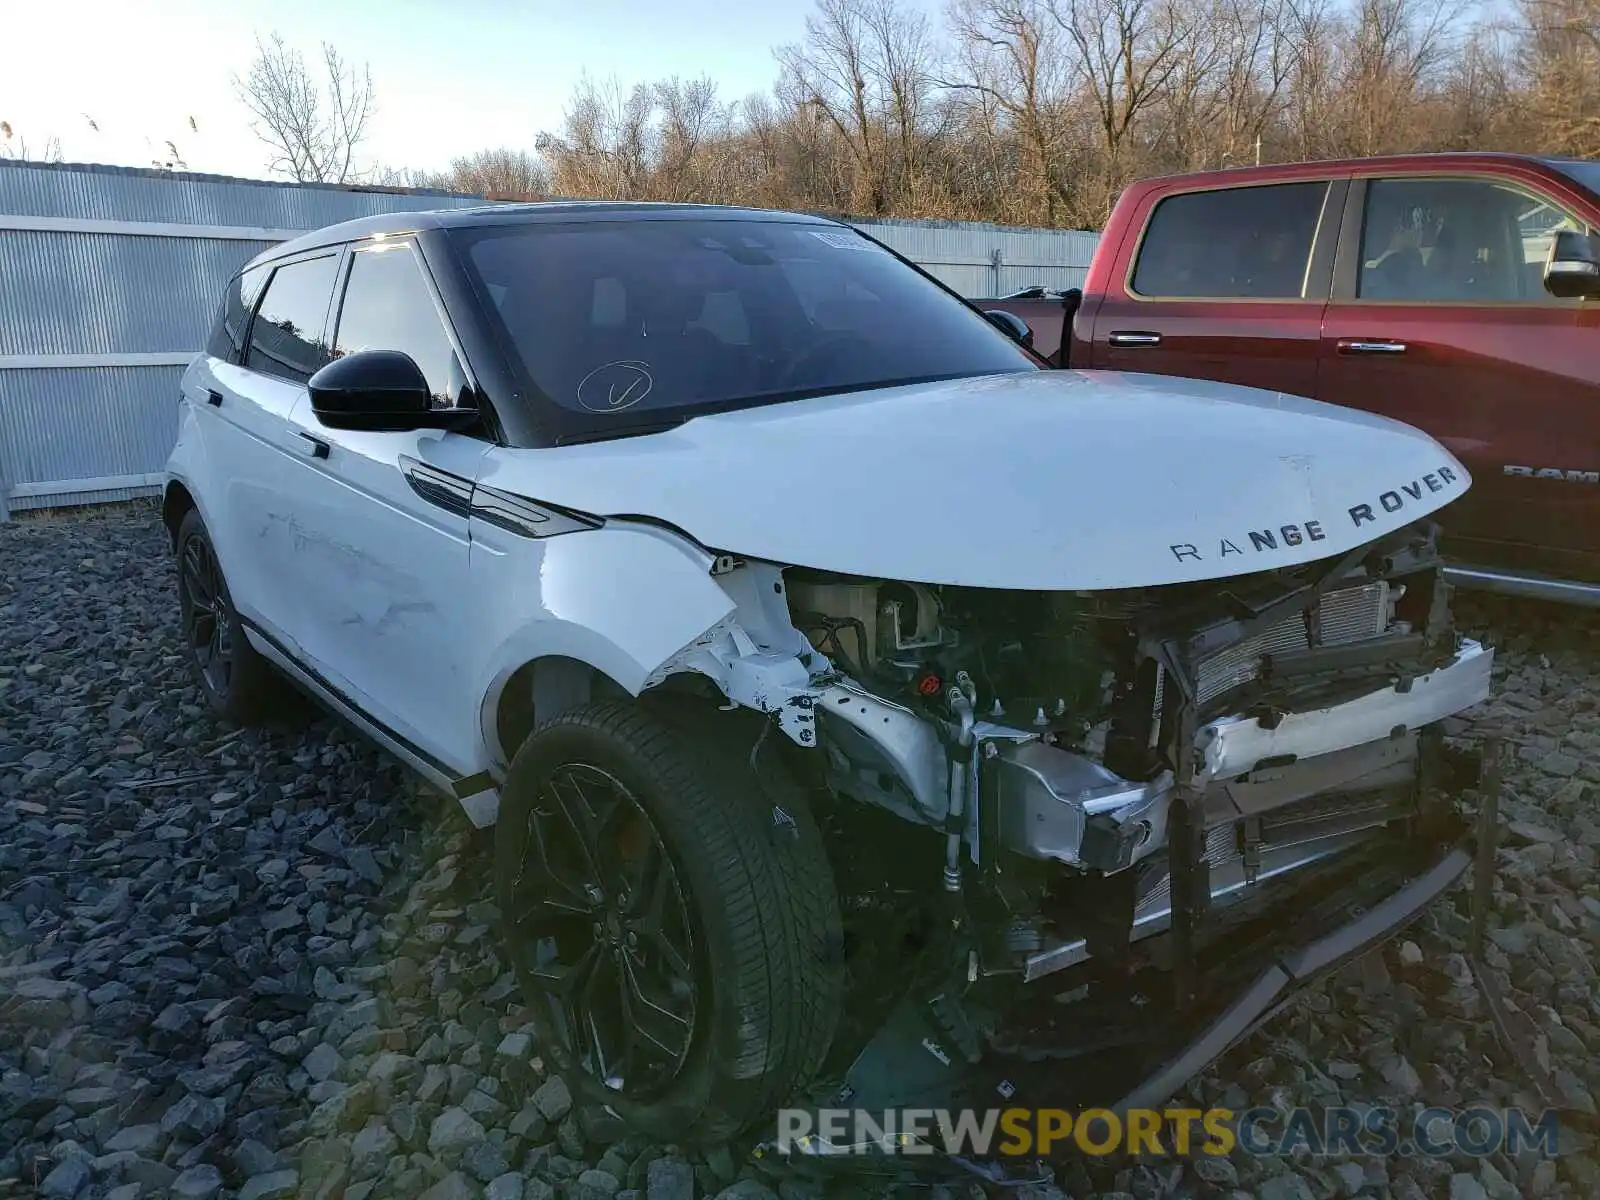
x,y
1055,480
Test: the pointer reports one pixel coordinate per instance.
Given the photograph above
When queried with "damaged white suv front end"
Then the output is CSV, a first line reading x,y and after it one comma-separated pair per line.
x,y
865,712
1164,651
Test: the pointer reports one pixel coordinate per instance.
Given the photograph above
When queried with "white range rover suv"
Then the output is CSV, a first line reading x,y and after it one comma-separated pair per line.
x,y
869,713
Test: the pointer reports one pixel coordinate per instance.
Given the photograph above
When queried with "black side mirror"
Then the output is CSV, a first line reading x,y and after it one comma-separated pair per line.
x,y
379,390
1573,268
1011,325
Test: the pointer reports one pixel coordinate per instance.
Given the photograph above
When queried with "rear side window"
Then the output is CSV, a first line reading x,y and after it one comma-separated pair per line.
x,y
227,338
1237,243
388,306
1457,241
286,339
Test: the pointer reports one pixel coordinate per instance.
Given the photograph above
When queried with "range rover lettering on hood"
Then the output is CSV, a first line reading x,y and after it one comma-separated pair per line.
x,y
1288,536
1042,480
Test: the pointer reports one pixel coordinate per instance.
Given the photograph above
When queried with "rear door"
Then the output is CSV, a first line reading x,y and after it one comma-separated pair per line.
x,y
1226,284
1439,317
251,438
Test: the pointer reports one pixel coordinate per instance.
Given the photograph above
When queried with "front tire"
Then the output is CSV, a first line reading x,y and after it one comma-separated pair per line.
x,y
672,919
236,681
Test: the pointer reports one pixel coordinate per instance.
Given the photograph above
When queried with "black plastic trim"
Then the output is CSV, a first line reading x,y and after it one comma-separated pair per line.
x,y
1292,970
411,748
449,492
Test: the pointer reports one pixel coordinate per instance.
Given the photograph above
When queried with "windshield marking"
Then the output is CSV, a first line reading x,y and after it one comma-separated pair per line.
x,y
626,381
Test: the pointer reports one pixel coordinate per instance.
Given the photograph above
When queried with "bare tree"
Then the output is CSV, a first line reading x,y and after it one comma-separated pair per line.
x,y
603,144
15,146
1127,52
501,174
313,125
1009,54
866,68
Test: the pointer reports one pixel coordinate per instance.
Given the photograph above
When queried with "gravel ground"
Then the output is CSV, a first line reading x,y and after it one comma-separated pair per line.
x,y
261,963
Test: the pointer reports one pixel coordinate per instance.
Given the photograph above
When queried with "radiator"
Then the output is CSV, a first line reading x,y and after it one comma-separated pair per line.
x,y
1348,615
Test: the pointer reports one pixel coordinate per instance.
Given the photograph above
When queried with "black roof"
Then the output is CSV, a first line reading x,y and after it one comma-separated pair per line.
x,y
519,214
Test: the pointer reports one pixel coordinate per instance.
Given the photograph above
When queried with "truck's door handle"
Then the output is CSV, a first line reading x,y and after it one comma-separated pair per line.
x,y
1131,338
1352,346
314,446
214,399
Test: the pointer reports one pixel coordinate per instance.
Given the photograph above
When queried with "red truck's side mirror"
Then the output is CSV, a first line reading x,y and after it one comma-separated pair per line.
x,y
1573,269
1071,300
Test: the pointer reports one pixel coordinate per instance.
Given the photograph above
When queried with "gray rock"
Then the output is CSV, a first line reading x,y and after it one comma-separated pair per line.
x,y
252,1158
200,1116
141,1139
454,1186
154,1176
553,1099
670,1179
505,1187
529,1124
1401,1076
484,1162
322,1063
535,1188
66,1179
747,1189
1285,1187
1216,1170
452,1133
594,1185
271,1186
373,1147
126,1191
345,1111
1350,1176
1466,1187
200,1182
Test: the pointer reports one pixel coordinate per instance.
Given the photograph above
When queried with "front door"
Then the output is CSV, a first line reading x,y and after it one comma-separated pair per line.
x,y
382,526
1225,284
1440,318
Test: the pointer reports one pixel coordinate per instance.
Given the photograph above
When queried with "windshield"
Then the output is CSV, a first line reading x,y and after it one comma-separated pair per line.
x,y
636,323
1586,173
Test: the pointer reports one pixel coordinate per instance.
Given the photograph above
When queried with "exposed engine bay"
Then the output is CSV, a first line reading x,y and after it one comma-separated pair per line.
x,y
1102,766
1061,823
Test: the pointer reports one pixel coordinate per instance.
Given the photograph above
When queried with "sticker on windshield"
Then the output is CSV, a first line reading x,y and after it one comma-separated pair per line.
x,y
615,386
842,241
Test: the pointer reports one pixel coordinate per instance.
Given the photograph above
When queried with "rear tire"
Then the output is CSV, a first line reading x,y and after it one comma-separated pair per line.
x,y
236,681
733,868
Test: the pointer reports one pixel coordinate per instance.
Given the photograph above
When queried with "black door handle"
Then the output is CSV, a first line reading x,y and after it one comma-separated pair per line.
x,y
214,399
314,446
1130,339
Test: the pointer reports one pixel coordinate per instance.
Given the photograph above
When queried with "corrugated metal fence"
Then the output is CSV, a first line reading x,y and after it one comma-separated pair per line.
x,y
109,279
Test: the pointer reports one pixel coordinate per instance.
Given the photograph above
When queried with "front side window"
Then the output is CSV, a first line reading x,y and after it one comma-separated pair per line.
x,y
227,337
388,306
1236,243
1456,241
286,337
618,321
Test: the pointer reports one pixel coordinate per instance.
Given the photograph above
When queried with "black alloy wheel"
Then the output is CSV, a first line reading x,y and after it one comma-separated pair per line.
x,y
669,908
603,921
207,625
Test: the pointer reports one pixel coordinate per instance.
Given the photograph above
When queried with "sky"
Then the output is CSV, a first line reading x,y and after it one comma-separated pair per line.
x,y
451,76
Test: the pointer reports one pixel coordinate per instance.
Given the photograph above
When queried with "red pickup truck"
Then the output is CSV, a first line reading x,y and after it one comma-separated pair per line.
x,y
1459,293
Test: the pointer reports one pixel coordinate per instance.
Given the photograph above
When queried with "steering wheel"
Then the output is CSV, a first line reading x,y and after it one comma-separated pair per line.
x,y
821,352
